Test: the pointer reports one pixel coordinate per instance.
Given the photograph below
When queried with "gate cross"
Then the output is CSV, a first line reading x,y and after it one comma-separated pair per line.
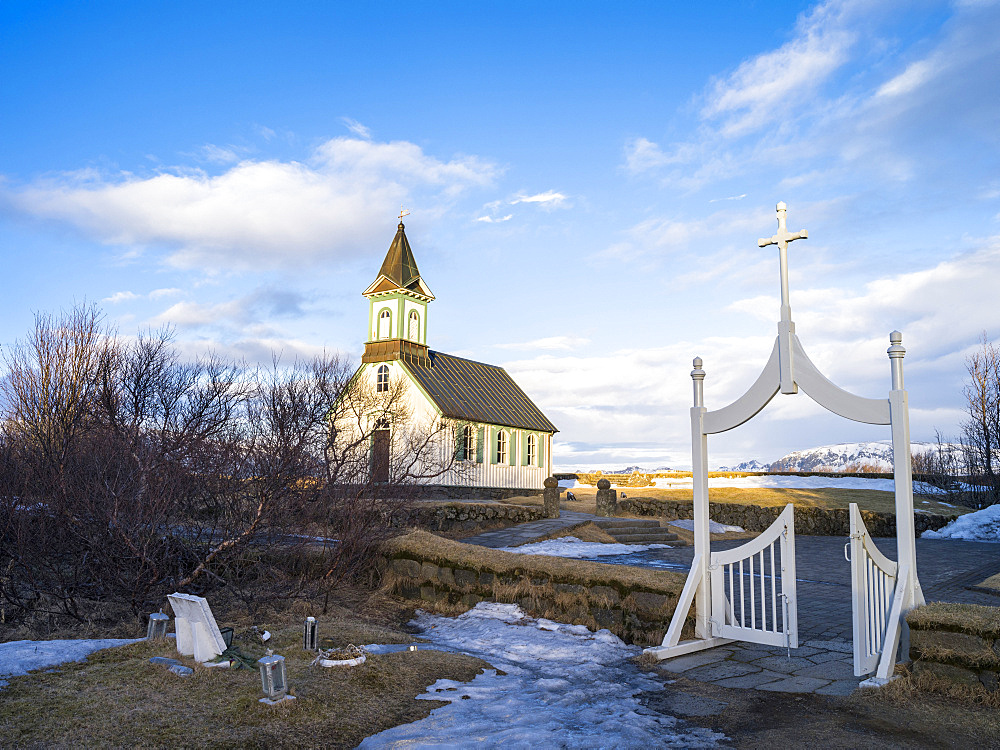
x,y
781,239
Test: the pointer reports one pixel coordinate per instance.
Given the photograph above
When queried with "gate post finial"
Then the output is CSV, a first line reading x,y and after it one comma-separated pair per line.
x,y
896,353
698,376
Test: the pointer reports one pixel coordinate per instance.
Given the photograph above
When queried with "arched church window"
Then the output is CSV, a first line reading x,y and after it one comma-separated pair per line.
x,y
382,379
385,324
501,447
414,333
532,450
469,441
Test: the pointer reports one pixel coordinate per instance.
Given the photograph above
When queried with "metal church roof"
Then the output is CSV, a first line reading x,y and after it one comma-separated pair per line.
x,y
399,269
477,392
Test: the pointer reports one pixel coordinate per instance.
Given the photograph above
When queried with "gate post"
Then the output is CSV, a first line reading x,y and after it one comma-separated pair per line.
x,y
699,476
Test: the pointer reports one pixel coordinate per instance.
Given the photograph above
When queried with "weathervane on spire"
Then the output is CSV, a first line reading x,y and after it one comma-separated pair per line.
x,y
781,239
402,212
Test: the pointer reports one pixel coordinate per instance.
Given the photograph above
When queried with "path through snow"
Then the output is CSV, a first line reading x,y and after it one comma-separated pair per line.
x,y
562,687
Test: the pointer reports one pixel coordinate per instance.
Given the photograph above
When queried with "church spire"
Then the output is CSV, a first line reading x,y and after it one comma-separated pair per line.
x,y
399,269
399,265
397,306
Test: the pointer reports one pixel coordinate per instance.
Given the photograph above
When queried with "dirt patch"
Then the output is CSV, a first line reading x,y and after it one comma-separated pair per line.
x,y
868,718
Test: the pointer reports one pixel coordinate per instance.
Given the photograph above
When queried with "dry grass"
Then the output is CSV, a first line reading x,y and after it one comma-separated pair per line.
x,y
585,532
447,553
117,698
914,689
874,500
974,619
993,583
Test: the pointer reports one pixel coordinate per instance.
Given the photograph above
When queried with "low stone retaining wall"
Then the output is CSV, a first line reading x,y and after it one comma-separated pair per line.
x,y
466,516
814,521
635,604
447,492
959,643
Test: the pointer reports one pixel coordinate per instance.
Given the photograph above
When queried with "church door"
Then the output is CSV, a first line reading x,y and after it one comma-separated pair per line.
x,y
380,455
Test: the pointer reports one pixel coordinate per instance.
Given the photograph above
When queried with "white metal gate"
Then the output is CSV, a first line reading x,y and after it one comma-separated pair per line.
x,y
746,603
880,596
719,582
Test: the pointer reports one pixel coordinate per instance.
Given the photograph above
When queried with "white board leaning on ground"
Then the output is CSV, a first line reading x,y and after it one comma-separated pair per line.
x,y
198,633
718,580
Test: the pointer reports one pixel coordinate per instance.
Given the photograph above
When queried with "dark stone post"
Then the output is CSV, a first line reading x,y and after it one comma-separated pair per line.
x,y
551,497
607,499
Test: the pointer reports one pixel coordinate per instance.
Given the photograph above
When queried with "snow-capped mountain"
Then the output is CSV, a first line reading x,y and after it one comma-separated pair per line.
x,y
752,465
873,456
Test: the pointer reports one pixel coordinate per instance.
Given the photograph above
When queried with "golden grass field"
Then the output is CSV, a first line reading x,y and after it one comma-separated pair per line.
x,y
875,500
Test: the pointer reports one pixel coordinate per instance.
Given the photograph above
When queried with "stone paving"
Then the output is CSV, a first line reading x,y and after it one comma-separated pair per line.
x,y
823,663
515,536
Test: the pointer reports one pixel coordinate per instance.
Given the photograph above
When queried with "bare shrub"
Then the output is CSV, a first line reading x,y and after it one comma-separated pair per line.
x,y
126,473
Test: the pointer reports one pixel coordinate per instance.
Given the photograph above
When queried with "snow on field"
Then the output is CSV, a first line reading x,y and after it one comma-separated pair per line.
x,y
553,685
980,526
714,527
570,546
569,484
20,657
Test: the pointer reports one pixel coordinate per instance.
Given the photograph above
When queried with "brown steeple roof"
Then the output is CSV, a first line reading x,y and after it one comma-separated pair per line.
x,y
399,269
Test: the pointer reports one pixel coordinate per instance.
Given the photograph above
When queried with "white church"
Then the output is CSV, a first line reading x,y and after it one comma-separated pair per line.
x,y
497,435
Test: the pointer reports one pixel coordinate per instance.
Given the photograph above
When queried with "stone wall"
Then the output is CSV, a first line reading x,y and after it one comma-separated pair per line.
x,y
449,492
960,649
610,599
466,516
815,521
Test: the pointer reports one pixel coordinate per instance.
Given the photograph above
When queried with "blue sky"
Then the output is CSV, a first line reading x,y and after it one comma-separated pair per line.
x,y
586,183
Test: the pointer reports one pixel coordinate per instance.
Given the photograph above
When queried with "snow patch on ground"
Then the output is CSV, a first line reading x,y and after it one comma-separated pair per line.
x,y
563,687
570,546
20,657
714,527
980,526
569,484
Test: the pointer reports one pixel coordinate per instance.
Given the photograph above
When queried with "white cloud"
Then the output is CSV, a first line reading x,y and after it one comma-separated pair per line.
x,y
548,343
161,293
357,128
635,401
549,198
258,213
117,297
240,315
218,154
770,86
910,79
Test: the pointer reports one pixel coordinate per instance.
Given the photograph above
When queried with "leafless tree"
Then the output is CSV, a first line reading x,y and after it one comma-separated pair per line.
x,y
126,472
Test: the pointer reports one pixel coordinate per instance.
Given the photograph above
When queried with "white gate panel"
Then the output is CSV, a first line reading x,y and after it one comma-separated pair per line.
x,y
873,585
746,603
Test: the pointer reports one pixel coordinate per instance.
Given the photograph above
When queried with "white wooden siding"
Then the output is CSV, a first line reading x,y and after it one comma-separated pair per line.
x,y
471,473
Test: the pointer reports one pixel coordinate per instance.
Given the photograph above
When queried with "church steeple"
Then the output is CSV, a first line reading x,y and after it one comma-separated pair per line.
x,y
397,312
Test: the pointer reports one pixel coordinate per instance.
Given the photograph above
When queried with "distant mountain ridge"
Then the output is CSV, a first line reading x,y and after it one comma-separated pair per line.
x,y
870,456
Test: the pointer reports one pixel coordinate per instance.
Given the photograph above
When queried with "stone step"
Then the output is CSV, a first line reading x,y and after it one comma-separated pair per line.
x,y
614,523
645,538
